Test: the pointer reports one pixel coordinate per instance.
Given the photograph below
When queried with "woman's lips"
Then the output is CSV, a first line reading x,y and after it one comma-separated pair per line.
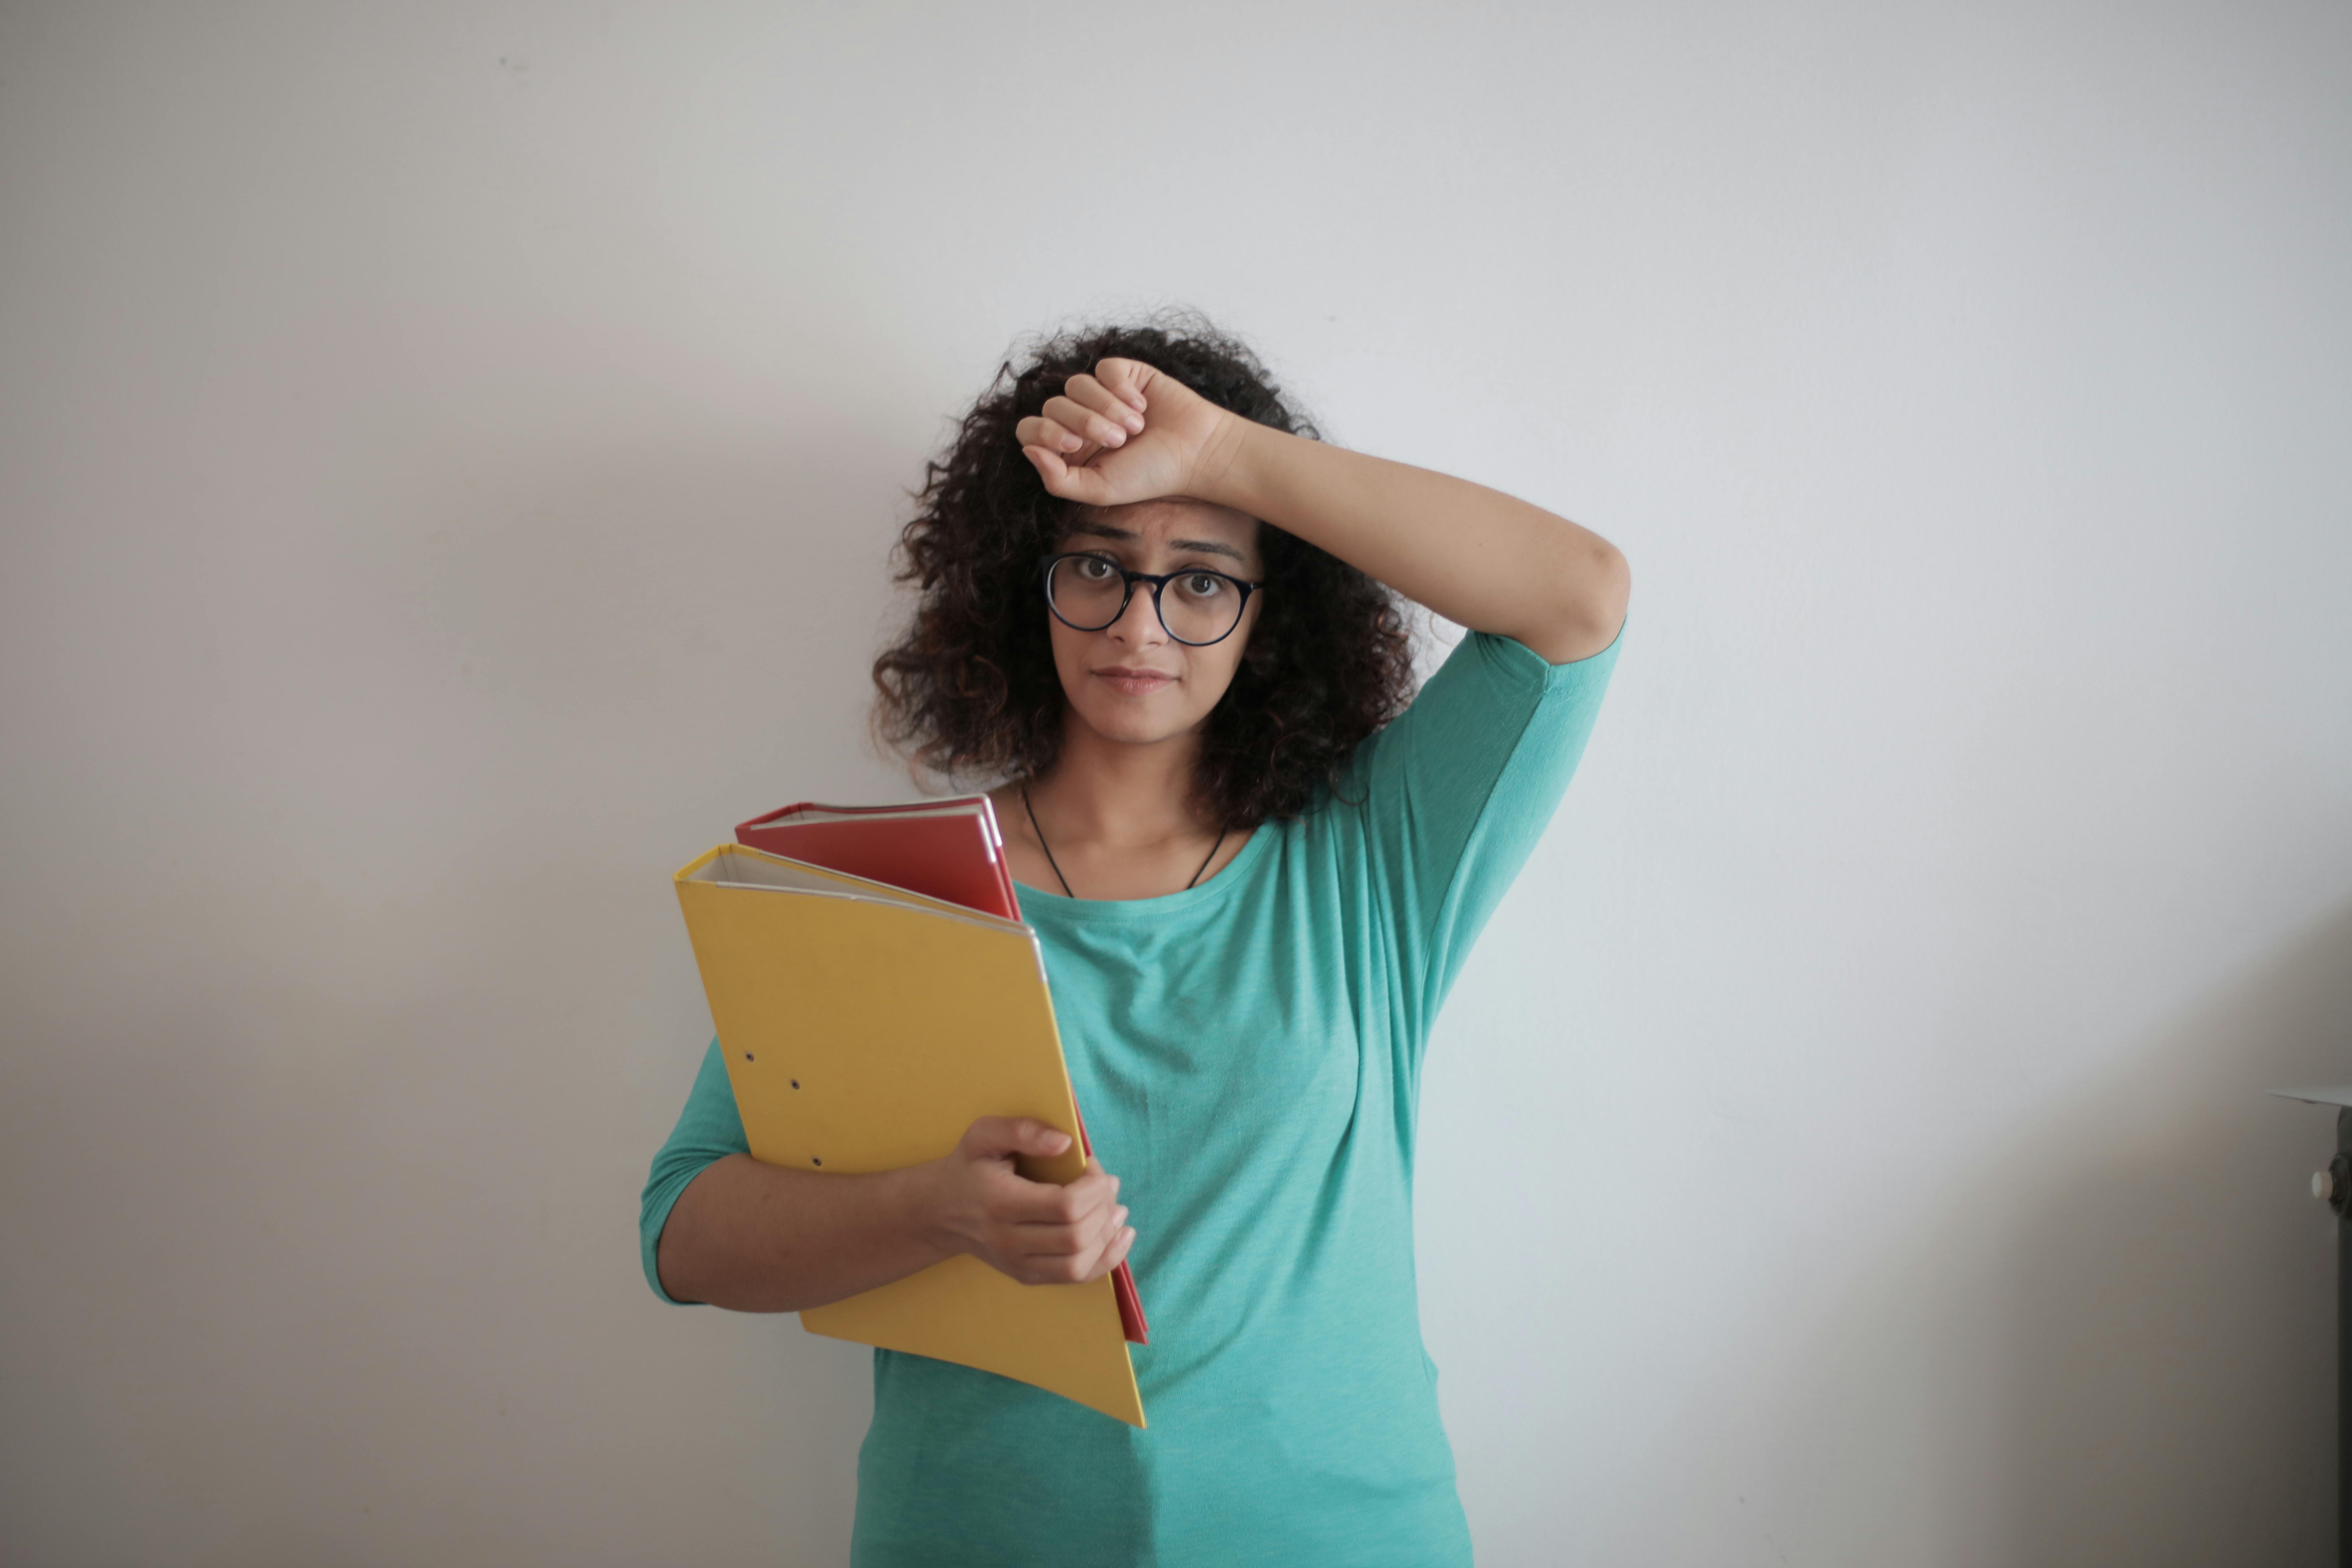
x,y
1134,683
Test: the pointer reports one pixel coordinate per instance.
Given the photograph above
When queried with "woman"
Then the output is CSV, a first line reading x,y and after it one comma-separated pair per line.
x,y
1160,611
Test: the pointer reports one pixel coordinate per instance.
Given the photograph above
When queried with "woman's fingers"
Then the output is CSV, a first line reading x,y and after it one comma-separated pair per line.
x,y
1112,1253
1102,428
1083,1240
1049,466
1124,379
1015,1200
1088,410
1092,395
1069,440
1059,1234
1115,1254
1069,477
1038,431
1083,1256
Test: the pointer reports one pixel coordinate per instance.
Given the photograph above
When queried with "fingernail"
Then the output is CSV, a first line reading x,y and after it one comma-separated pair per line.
x,y
1071,442
1121,1218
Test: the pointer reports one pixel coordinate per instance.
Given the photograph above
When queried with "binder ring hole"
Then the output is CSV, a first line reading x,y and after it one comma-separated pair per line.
x,y
814,1160
796,1083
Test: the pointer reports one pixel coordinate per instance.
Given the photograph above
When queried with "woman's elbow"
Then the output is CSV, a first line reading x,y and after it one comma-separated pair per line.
x,y
1593,588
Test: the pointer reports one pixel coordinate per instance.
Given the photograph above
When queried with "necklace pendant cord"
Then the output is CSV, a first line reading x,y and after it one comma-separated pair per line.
x,y
1043,845
1048,848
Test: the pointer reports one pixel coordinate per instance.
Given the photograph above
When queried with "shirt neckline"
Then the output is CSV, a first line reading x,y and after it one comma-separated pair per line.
x,y
1034,900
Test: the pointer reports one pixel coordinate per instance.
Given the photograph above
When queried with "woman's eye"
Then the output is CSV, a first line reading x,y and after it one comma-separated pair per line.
x,y
1204,585
1093,569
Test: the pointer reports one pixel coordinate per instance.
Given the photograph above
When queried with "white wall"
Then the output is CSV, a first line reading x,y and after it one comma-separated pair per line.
x,y
447,460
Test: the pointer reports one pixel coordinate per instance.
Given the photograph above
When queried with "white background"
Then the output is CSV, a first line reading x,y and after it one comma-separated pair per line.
x,y
448,461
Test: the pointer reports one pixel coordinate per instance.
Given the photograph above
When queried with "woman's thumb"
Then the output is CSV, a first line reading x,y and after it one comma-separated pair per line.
x,y
1014,1136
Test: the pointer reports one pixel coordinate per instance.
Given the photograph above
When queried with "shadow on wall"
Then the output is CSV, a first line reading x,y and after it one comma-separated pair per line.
x,y
2167,1320
2115,1346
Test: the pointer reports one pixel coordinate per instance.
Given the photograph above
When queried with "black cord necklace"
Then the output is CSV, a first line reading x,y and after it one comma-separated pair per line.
x,y
1048,848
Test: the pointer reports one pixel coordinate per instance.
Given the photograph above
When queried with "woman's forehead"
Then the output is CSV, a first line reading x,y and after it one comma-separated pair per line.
x,y
1174,526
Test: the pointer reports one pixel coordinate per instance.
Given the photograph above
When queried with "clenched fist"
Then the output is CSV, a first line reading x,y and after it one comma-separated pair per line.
x,y
1128,433
1037,1233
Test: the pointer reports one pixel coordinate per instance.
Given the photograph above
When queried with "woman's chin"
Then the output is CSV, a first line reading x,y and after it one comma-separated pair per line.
x,y
1137,722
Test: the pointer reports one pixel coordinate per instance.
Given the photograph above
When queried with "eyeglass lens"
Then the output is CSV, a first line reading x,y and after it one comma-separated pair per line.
x,y
1195,607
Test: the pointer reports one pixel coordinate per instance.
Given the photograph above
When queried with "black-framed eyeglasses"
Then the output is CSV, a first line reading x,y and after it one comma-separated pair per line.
x,y
1087,592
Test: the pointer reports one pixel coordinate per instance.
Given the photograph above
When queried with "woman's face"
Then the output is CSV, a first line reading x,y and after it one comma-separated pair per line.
x,y
1131,681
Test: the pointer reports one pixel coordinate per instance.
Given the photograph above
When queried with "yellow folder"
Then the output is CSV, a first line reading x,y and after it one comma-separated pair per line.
x,y
865,1027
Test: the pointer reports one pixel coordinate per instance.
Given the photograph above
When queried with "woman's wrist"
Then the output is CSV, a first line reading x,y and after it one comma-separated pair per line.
x,y
1232,462
928,1210
1276,477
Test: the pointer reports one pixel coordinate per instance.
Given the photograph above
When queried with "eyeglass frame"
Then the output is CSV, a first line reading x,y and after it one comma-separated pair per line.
x,y
1157,580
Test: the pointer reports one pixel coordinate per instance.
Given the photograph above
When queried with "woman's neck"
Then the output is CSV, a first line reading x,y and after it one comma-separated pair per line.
x,y
1116,797
1114,820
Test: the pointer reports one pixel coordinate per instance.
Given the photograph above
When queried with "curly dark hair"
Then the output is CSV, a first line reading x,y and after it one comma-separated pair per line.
x,y
971,687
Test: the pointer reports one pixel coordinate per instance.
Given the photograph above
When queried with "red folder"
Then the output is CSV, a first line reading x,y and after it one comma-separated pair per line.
x,y
943,848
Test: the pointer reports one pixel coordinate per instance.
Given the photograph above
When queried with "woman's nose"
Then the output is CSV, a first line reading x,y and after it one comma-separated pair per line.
x,y
1139,622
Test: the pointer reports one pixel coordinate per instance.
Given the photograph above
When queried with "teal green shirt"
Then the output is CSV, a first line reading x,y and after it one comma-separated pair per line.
x,y
1248,1057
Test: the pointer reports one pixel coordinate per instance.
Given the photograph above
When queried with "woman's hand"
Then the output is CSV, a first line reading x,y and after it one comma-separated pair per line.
x,y
1477,557
1128,433
1037,1233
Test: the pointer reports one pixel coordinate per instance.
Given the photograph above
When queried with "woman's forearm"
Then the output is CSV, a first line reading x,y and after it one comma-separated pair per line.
x,y
767,1238
1475,555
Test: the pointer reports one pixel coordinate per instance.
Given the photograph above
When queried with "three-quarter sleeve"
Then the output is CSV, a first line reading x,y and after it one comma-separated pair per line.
x,y
1455,794
709,1128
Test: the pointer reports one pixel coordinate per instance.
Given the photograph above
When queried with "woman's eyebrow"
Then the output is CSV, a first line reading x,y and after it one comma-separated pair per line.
x,y
1206,547
1129,536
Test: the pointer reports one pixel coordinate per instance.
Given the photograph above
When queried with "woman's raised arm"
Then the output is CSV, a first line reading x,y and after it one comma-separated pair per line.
x,y
1476,556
